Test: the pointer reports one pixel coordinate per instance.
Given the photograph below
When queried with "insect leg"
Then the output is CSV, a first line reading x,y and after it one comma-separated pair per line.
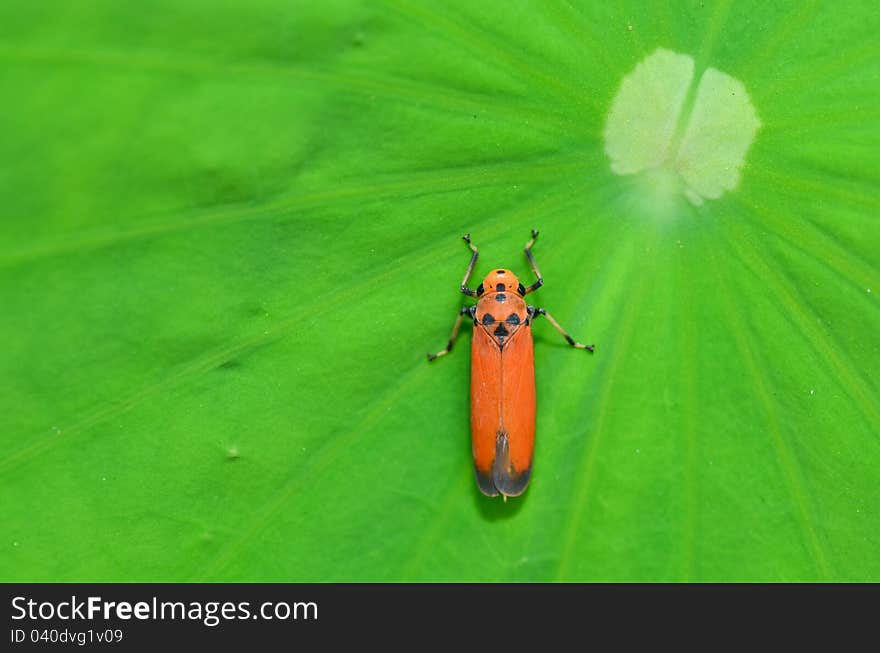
x,y
534,312
470,268
467,310
540,281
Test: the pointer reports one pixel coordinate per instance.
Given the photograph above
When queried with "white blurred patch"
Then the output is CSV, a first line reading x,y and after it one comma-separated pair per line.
x,y
645,111
703,146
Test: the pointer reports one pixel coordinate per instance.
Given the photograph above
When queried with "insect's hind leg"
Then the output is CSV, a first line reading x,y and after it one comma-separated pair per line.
x,y
467,310
470,268
531,257
534,312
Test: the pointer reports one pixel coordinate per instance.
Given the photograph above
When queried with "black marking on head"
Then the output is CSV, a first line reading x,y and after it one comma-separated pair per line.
x,y
501,331
501,298
505,478
488,319
499,271
513,318
500,287
480,289
521,290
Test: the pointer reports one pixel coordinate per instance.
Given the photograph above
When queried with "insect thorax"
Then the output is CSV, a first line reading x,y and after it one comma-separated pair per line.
x,y
501,314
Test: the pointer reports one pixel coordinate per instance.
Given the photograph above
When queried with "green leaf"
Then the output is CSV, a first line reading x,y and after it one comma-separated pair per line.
x,y
231,233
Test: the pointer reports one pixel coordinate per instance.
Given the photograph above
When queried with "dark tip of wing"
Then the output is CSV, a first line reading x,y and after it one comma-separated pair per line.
x,y
485,483
507,480
510,483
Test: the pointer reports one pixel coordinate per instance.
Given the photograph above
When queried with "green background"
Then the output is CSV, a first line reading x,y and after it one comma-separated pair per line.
x,y
231,231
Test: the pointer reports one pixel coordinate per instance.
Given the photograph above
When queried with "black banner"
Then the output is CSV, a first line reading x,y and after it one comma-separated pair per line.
x,y
282,616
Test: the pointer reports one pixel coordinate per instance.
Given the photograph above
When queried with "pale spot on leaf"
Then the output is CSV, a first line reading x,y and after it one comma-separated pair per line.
x,y
645,111
722,126
699,144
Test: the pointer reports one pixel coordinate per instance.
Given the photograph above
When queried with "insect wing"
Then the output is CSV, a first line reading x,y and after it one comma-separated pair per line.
x,y
516,442
485,407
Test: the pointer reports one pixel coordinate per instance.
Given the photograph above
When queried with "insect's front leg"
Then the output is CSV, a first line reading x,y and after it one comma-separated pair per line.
x,y
534,312
531,257
470,268
467,310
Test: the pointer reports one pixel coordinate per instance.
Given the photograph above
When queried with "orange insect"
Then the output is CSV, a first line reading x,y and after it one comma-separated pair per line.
x,y
502,375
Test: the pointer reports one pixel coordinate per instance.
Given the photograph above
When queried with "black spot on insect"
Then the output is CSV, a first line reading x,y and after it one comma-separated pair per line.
x,y
501,298
488,319
480,290
521,290
499,271
500,287
500,331
513,318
